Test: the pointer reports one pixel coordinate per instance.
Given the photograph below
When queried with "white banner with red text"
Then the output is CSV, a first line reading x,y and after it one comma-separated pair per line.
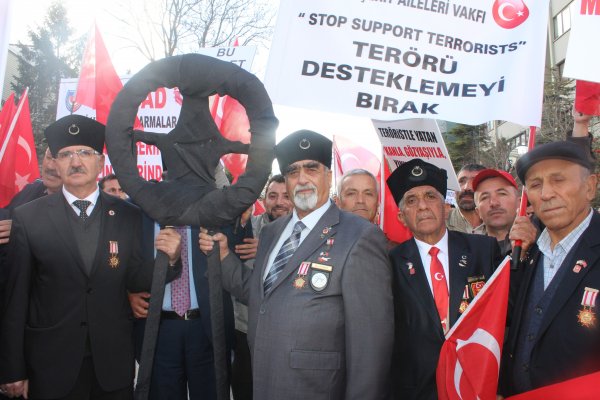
x,y
415,138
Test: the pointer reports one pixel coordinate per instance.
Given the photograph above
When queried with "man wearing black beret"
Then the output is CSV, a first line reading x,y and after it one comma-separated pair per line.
x,y
66,332
319,322
436,275
555,332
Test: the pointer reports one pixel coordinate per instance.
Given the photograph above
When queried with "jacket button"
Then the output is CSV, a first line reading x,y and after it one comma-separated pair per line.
x,y
262,310
88,290
530,337
84,324
538,310
525,367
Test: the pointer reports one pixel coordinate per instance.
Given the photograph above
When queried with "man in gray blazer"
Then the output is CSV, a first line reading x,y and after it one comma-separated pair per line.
x,y
319,297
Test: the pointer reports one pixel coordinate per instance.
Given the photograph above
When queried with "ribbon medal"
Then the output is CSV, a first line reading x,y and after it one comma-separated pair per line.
x,y
113,250
476,283
465,300
587,316
300,280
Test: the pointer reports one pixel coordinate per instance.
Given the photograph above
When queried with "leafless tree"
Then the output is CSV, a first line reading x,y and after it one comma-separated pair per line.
x,y
160,28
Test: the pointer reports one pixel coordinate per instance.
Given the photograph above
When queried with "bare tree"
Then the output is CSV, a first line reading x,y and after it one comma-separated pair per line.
x,y
161,28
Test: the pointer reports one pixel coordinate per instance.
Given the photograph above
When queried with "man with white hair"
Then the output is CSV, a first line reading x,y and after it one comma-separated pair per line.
x,y
319,297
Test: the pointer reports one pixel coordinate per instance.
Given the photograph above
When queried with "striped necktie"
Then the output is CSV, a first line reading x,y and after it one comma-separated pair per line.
x,y
285,252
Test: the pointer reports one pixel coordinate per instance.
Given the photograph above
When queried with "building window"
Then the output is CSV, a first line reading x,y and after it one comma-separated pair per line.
x,y
562,20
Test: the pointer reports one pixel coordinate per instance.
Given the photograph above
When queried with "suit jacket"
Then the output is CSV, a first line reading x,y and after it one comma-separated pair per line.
x,y
53,307
563,348
419,334
331,344
199,267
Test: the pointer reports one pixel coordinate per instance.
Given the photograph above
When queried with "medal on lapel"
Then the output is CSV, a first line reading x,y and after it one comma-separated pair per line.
x,y
319,278
411,268
113,250
587,316
476,283
465,300
300,280
324,255
578,265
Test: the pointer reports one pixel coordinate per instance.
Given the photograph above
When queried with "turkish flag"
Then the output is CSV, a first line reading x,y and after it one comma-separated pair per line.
x,y
581,388
98,83
395,230
470,357
349,156
587,97
231,119
18,158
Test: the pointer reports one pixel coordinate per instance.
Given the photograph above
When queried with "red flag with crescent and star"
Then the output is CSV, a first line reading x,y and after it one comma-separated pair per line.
x,y
469,361
18,157
98,83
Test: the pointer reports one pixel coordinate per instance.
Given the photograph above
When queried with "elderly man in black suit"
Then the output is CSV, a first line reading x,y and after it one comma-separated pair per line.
x,y
67,328
555,334
436,274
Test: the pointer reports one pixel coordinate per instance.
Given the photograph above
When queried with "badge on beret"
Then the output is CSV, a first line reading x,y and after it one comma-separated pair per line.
x,y
417,171
113,250
74,129
304,144
587,316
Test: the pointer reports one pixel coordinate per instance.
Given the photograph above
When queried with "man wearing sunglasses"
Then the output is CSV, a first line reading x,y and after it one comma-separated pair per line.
x,y
66,332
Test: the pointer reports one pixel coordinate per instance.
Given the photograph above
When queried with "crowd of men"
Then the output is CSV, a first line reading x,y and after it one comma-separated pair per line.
x,y
320,309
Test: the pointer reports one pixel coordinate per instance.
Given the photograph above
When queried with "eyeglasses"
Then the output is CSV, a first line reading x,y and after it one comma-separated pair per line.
x,y
83,154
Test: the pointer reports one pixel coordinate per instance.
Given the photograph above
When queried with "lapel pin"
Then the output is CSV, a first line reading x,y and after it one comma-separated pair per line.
x,y
411,269
111,213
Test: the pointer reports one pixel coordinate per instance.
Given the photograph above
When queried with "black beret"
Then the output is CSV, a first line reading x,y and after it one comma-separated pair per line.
x,y
416,172
303,145
74,130
562,150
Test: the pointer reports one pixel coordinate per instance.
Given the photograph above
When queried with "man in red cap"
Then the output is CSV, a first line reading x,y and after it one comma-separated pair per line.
x,y
497,201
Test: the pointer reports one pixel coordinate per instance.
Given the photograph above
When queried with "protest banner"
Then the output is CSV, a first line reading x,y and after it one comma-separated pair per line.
x,y
397,59
582,53
404,140
159,112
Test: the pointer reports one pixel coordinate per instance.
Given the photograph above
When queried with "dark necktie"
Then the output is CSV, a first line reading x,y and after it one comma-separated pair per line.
x,y
285,252
82,205
440,287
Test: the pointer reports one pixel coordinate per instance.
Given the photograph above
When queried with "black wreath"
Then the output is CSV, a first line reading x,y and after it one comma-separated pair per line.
x,y
191,151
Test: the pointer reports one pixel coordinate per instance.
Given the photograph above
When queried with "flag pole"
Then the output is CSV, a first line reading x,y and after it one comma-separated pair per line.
x,y
13,123
516,254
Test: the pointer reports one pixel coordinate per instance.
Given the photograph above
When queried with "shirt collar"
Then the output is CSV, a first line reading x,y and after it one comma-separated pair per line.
x,y
311,219
545,243
92,198
442,245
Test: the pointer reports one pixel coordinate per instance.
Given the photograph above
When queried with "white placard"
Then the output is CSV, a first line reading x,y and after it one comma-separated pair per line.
x,y
415,138
456,60
583,56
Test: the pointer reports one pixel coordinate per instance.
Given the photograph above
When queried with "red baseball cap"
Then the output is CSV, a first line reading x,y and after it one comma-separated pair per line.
x,y
493,173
